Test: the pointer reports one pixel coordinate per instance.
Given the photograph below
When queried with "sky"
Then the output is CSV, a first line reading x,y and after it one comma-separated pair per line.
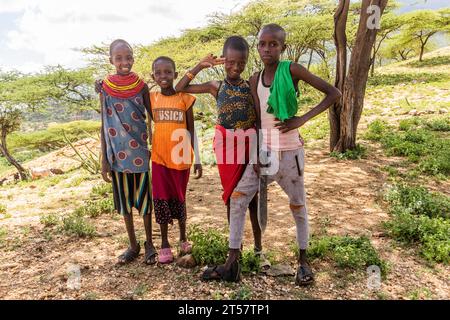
x,y
36,33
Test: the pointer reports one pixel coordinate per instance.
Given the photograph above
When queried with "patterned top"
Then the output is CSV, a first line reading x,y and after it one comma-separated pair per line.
x,y
235,106
171,142
125,132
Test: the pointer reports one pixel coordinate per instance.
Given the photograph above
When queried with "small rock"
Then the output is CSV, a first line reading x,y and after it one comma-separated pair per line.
x,y
442,111
186,261
280,270
413,112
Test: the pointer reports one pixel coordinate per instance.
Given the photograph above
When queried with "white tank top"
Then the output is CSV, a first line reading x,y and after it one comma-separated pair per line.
x,y
272,137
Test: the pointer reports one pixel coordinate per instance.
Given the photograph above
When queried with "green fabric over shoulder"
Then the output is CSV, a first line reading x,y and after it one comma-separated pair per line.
x,y
283,99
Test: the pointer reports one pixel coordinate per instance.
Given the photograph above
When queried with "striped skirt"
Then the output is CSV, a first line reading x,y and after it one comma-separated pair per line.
x,y
132,190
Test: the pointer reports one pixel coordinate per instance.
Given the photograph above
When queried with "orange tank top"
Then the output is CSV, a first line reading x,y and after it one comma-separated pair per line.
x,y
171,143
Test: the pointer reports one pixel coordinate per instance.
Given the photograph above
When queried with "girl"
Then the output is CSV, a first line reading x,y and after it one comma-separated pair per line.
x,y
125,155
236,113
171,154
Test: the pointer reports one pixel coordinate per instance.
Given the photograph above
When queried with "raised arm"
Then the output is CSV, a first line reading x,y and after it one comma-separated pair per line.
x,y
210,87
332,94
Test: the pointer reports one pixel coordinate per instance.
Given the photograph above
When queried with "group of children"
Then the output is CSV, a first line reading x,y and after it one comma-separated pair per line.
x,y
267,103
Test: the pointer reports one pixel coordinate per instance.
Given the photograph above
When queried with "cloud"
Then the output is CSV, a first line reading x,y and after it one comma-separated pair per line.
x,y
51,28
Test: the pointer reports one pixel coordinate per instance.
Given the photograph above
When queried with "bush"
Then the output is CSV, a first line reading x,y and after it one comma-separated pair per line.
x,y
250,261
359,152
77,225
101,190
49,220
430,234
418,201
417,142
209,247
347,252
2,209
95,208
376,130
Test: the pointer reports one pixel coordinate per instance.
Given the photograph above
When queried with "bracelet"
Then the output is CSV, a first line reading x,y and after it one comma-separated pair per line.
x,y
190,75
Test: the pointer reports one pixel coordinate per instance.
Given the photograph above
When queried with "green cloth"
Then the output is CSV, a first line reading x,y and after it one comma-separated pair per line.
x,y
283,99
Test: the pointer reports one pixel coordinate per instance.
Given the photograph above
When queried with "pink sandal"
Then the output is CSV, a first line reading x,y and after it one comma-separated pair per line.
x,y
165,255
185,247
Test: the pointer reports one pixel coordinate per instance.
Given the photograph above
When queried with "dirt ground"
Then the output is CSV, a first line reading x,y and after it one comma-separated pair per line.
x,y
343,197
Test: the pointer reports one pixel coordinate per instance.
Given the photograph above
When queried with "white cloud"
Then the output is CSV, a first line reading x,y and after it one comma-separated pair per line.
x,y
51,29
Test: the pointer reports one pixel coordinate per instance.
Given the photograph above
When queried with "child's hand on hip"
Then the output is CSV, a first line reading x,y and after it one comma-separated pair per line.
x,y
198,170
290,124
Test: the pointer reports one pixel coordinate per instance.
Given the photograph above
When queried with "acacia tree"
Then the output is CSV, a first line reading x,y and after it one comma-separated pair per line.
x,y
422,25
344,115
34,93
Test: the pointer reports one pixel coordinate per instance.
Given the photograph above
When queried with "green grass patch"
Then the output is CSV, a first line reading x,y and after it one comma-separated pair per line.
x,y
49,220
101,190
77,225
420,218
418,200
431,235
2,209
424,142
358,153
392,79
355,253
210,247
95,208
430,62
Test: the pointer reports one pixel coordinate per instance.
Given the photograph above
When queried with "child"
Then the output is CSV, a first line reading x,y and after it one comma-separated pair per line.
x,y
274,90
174,120
125,162
236,112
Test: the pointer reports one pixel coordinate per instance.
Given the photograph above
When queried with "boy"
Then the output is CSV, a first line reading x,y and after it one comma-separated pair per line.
x,y
125,155
273,90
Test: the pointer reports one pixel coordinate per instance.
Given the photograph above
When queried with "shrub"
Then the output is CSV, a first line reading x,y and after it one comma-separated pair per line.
x,y
209,247
49,220
77,225
430,234
418,201
358,153
347,252
95,208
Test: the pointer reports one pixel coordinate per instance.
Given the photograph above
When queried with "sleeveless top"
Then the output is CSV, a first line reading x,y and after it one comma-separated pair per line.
x,y
272,137
235,106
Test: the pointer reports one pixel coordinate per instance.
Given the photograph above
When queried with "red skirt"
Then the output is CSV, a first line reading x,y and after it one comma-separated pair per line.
x,y
232,156
169,193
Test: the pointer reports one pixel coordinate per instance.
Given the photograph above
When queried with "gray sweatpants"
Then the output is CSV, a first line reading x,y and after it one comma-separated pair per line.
x,y
289,176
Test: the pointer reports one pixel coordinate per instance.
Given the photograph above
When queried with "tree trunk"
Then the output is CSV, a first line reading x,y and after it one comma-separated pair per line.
x,y
350,107
340,41
372,61
4,150
310,58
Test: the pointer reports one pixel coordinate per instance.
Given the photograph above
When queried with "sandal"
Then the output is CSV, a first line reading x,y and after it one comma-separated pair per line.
x,y
129,255
150,254
219,273
185,247
304,275
165,256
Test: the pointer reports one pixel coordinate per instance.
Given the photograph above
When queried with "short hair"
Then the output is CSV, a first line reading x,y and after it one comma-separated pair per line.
x,y
274,28
117,42
166,59
237,43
